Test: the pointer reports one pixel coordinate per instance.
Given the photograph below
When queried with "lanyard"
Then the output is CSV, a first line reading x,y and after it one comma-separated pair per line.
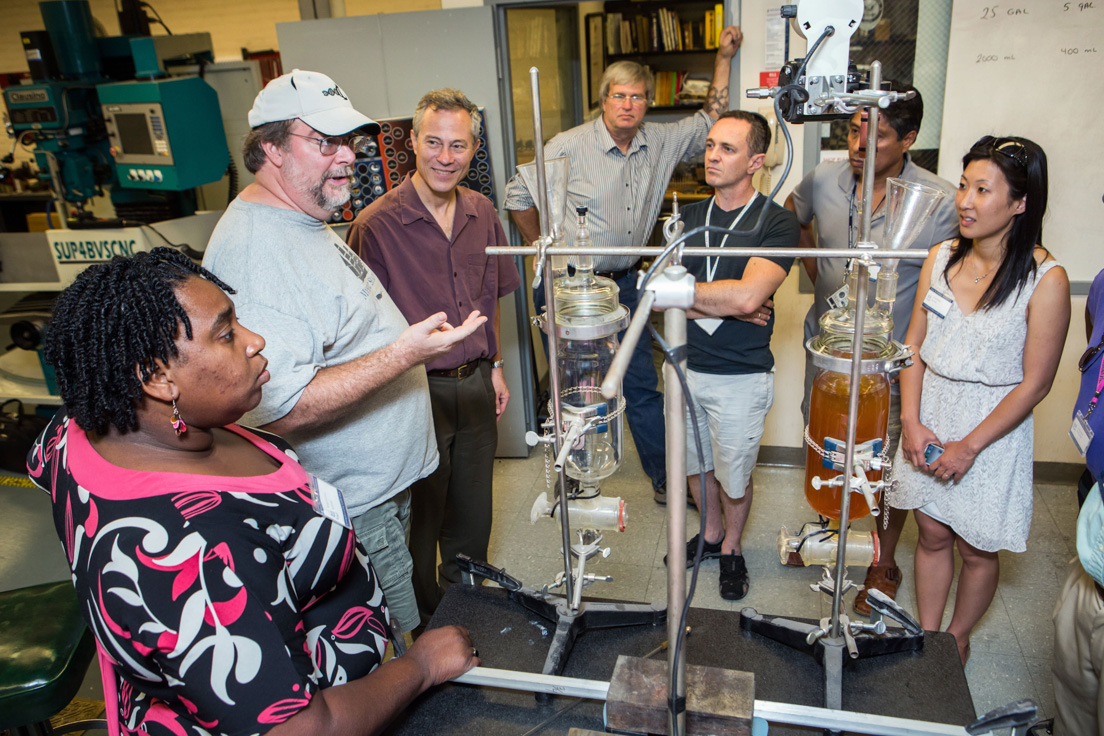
x,y
1099,387
851,211
711,270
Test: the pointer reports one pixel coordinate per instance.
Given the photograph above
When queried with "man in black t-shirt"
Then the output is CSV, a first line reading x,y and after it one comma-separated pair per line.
x,y
731,375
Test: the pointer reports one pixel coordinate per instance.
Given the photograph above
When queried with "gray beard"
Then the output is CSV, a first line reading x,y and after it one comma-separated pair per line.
x,y
336,201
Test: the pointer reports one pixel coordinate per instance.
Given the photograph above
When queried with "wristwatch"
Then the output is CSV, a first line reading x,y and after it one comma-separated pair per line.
x,y
498,363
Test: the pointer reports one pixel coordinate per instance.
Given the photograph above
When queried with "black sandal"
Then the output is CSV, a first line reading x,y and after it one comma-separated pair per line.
x,y
734,577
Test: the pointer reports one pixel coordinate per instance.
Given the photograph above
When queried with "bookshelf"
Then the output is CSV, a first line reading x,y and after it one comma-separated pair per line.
x,y
677,40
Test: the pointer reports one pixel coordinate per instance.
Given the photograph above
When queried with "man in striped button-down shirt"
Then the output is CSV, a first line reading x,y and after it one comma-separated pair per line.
x,y
619,169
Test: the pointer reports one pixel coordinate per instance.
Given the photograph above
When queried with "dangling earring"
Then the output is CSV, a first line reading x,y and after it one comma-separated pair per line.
x,y
177,423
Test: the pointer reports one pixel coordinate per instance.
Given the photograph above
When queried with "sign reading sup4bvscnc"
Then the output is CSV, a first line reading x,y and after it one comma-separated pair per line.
x,y
75,250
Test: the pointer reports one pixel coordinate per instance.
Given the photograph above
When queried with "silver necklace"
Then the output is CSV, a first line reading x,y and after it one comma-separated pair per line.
x,y
979,278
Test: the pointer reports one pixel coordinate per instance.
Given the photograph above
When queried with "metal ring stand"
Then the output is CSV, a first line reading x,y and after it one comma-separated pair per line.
x,y
836,633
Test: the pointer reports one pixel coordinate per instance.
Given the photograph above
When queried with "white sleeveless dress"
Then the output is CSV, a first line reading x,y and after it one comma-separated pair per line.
x,y
973,361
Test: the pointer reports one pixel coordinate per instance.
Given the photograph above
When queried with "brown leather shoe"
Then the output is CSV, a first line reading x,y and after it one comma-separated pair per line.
x,y
885,579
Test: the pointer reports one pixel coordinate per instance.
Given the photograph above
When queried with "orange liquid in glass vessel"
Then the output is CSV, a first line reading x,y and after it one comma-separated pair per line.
x,y
828,418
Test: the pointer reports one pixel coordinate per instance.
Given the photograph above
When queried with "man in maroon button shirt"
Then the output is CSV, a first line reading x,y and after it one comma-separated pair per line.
x,y
425,240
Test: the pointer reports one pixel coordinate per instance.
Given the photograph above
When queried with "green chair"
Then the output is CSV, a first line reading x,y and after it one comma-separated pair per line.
x,y
45,650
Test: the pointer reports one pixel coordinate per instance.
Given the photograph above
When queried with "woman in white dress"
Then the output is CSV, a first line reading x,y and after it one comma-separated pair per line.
x,y
990,320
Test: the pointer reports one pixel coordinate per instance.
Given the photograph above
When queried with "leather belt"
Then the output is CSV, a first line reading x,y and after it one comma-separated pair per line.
x,y
459,372
615,275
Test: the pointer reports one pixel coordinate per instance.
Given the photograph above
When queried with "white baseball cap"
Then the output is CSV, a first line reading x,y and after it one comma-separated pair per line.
x,y
312,97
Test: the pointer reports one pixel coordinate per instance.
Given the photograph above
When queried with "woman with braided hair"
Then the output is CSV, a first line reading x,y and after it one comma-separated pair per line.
x,y
224,587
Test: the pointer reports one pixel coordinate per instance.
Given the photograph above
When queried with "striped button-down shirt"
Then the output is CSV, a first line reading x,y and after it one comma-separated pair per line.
x,y
622,192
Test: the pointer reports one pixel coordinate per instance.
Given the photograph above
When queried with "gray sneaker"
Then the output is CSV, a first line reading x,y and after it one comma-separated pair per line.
x,y
660,496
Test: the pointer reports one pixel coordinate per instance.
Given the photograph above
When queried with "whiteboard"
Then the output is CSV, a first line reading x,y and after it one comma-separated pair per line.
x,y
1033,68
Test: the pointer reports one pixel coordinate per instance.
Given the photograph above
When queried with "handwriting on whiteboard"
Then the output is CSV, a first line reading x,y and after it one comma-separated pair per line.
x,y
989,12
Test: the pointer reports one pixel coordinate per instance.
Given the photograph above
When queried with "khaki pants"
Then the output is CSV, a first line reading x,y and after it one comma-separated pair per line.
x,y
1078,657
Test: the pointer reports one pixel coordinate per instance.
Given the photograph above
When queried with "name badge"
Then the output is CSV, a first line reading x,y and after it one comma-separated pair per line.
x,y
838,299
709,324
938,303
328,501
1081,433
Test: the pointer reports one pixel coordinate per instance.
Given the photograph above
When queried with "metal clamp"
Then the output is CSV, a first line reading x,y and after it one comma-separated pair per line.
x,y
541,245
673,288
611,324
899,360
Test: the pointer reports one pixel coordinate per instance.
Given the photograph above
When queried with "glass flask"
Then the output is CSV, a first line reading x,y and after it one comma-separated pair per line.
x,y
588,318
829,400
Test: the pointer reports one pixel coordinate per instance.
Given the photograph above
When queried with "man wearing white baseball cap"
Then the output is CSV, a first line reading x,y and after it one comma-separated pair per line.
x,y
347,387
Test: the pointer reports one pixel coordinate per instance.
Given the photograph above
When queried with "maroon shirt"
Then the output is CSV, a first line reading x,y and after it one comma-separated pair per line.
x,y
424,273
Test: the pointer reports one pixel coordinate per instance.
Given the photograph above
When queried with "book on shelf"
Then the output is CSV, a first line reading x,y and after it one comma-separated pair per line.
x,y
661,30
672,88
613,34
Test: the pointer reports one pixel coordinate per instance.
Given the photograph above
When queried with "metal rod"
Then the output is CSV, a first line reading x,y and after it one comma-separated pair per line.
x,y
859,300
842,720
852,421
535,683
774,712
553,339
538,158
868,162
611,384
566,250
674,329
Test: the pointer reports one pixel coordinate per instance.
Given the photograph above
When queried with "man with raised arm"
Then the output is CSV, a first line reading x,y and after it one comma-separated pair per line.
x,y
619,167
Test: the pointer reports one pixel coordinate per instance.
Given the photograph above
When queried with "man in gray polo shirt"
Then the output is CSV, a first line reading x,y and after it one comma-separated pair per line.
x,y
348,389
829,194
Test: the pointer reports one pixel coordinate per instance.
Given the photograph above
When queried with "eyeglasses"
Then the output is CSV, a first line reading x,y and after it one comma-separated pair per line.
x,y
1089,356
1012,149
328,146
636,100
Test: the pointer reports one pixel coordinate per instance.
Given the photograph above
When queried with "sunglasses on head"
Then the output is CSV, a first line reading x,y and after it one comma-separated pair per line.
x,y
1090,355
1011,149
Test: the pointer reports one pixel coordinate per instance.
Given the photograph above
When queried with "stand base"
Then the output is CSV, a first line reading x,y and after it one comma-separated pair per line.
x,y
794,634
570,623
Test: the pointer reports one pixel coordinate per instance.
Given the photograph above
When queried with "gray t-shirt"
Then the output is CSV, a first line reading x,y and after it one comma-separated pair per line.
x,y
827,194
317,304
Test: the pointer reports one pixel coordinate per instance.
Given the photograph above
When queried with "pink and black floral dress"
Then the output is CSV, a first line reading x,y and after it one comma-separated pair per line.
x,y
224,603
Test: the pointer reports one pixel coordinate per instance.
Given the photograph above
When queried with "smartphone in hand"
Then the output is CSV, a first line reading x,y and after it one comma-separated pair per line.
x,y
932,453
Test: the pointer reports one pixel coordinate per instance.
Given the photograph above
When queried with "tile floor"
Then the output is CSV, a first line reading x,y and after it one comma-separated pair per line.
x,y
1010,648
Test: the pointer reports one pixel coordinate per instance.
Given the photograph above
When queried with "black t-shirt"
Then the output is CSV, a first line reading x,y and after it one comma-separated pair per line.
x,y
735,347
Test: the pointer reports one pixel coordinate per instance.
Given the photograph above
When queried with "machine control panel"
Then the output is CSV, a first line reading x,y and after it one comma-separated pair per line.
x,y
138,138
147,175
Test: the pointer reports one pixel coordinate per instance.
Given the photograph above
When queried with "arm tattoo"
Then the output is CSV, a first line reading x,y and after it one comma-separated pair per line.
x,y
716,101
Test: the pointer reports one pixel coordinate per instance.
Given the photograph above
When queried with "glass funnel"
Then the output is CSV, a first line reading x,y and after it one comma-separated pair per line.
x,y
909,207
